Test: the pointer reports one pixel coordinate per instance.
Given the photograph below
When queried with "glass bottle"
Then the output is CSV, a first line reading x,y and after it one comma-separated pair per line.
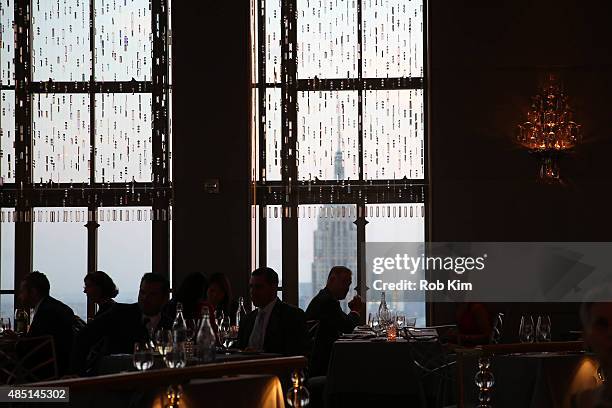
x,y
179,327
206,339
383,310
22,321
241,312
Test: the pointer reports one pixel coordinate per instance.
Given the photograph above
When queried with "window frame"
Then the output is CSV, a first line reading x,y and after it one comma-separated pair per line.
x,y
25,195
290,192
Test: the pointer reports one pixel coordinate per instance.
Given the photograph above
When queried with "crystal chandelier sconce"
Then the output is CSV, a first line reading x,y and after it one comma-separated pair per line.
x,y
550,130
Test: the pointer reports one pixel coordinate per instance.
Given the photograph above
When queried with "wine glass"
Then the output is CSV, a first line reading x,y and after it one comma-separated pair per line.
x,y
496,335
191,330
5,324
176,357
163,341
526,331
143,356
543,329
400,321
411,322
219,315
226,329
375,325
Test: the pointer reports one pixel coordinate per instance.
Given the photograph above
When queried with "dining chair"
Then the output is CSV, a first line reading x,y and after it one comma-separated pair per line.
x,y
32,359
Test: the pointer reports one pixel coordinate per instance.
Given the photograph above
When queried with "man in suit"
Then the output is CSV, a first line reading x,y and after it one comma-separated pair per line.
x,y
117,330
275,326
49,317
325,307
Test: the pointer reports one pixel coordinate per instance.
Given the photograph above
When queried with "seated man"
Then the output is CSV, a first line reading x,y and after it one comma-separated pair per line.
x,y
125,324
597,322
325,307
275,326
49,317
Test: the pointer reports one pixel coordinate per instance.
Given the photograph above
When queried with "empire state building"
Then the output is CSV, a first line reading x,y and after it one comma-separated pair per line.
x,y
335,239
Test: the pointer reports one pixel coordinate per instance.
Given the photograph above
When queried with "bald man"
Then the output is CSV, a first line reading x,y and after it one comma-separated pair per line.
x,y
325,307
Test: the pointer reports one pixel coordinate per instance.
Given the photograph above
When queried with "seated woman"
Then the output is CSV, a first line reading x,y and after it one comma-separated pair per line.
x,y
100,289
597,322
219,295
190,294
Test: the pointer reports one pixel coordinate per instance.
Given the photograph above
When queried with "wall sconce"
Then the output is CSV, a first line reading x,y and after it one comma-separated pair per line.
x,y
549,130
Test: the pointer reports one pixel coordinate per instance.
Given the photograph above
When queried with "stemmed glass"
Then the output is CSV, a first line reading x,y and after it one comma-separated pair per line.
x,y
400,321
219,316
526,331
163,341
192,330
497,329
375,325
5,324
226,337
176,356
385,318
411,322
543,329
143,356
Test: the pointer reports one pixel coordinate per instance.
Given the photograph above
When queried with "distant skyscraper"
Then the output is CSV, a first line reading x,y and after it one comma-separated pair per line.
x,y
335,239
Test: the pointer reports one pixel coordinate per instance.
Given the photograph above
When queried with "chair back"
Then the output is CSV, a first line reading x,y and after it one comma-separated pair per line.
x,y
78,324
312,332
434,368
32,359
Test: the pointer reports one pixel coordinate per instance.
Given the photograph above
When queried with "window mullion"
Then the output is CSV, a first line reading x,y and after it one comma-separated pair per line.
x,y
288,150
23,141
160,142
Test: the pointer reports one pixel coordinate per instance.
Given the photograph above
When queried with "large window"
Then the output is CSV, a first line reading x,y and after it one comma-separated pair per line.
x,y
60,251
84,148
339,146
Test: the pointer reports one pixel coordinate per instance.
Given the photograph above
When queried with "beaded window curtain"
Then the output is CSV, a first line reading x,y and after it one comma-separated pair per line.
x,y
339,147
84,139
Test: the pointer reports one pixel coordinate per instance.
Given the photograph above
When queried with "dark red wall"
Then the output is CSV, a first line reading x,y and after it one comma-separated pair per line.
x,y
486,60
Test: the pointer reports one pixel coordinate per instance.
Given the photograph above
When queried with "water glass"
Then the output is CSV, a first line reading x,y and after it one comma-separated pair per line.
x,y
527,330
543,329
163,341
5,324
143,356
383,318
411,322
176,357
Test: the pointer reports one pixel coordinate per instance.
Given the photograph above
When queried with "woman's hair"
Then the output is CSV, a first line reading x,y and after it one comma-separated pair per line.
x,y
100,279
191,292
221,280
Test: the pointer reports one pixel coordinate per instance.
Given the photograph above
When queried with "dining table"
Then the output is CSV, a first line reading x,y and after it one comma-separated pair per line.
x,y
258,381
530,375
119,363
368,367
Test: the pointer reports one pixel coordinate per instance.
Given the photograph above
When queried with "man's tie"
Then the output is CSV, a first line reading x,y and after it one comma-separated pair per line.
x,y
256,340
